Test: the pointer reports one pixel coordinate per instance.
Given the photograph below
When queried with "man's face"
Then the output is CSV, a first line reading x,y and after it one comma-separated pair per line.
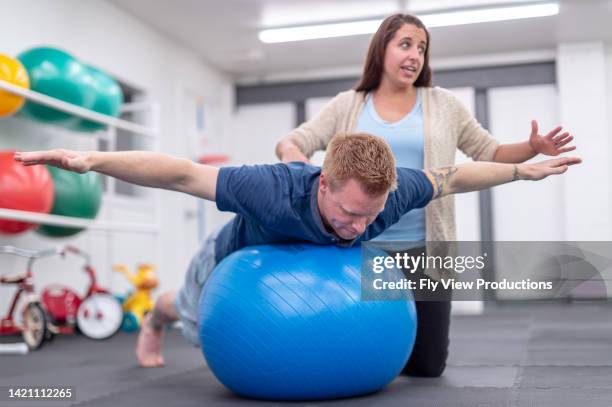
x,y
348,210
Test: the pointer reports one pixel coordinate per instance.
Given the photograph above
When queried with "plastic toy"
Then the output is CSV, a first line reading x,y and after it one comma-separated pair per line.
x,y
33,326
97,315
139,302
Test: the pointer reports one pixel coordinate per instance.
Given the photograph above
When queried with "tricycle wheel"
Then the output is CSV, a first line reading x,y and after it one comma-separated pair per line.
x,y
34,325
99,316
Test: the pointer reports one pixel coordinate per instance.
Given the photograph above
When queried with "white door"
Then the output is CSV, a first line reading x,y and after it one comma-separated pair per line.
x,y
526,210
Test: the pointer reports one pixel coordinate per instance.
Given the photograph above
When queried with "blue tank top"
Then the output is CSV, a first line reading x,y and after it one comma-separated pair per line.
x,y
405,137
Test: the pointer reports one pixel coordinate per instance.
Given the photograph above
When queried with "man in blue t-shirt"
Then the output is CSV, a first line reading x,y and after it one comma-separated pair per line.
x,y
356,195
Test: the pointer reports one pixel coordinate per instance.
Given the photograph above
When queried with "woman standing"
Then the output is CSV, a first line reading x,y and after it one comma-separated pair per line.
x,y
424,126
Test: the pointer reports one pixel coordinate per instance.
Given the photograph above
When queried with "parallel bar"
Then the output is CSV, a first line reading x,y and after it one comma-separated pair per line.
x,y
56,220
77,110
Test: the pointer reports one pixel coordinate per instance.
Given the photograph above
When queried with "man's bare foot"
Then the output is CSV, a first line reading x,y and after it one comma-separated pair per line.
x,y
148,347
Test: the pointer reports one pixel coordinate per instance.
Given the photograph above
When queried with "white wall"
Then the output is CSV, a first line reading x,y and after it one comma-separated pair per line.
x,y
257,128
254,132
584,74
314,106
102,35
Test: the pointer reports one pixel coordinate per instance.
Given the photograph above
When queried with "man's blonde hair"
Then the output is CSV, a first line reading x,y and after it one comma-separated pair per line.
x,y
363,157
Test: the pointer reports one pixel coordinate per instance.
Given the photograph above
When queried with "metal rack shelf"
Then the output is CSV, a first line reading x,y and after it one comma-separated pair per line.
x,y
79,111
113,124
57,220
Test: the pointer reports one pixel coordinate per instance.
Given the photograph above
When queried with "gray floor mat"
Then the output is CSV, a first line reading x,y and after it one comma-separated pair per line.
x,y
567,377
513,355
196,390
564,397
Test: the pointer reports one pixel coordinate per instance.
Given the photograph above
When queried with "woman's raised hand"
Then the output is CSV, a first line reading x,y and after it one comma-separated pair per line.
x,y
553,144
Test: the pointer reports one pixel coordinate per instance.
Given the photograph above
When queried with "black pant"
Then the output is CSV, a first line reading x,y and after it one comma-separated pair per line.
x,y
430,351
428,358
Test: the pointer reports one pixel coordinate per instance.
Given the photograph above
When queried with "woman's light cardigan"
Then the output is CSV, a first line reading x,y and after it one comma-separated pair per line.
x,y
448,126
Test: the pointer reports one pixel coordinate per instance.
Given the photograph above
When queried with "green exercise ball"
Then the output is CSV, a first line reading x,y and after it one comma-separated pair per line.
x,y
76,195
108,98
58,74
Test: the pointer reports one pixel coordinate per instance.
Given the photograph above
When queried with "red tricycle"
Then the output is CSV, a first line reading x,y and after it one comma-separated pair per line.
x,y
33,326
98,315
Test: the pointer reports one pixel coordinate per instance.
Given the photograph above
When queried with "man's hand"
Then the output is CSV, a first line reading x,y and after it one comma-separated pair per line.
x,y
552,144
541,170
76,161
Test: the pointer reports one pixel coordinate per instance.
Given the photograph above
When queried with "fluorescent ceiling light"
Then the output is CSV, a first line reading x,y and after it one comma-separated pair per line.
x,y
472,16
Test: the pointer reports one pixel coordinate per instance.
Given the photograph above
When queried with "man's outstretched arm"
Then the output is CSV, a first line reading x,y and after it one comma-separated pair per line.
x,y
144,168
482,175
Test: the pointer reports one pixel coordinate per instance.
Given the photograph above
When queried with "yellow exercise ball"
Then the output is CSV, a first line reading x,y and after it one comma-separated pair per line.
x,y
12,71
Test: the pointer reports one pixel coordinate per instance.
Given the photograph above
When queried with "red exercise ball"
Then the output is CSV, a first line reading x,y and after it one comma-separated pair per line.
x,y
23,188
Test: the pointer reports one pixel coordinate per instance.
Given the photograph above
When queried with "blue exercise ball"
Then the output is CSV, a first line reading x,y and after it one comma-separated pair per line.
x,y
286,322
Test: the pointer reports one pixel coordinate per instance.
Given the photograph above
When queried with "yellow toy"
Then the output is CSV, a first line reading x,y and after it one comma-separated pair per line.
x,y
139,302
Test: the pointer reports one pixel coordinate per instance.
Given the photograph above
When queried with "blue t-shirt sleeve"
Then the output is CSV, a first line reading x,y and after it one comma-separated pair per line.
x,y
414,190
257,192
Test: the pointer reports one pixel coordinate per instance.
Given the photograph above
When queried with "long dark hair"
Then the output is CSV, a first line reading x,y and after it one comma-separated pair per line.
x,y
374,64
